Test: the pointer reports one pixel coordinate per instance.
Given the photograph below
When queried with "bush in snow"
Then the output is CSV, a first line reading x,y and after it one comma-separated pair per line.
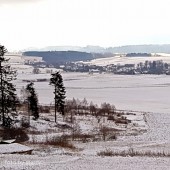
x,y
15,133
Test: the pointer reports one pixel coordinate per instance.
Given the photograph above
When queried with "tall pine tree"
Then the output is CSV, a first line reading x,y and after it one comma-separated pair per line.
x,y
8,99
32,100
59,93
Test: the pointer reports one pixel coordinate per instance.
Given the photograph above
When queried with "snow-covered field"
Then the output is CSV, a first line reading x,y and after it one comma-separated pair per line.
x,y
66,162
156,140
147,93
128,60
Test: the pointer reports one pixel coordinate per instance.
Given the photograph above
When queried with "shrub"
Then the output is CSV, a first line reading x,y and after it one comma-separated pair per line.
x,y
105,132
16,133
82,137
44,109
25,122
119,114
132,153
121,121
107,152
56,142
112,137
61,142
111,118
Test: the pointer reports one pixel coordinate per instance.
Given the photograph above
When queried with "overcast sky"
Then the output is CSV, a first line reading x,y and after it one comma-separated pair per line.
x,y
40,23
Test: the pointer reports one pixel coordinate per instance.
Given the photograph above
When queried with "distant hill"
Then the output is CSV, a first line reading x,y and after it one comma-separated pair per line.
x,y
140,49
94,52
88,49
97,49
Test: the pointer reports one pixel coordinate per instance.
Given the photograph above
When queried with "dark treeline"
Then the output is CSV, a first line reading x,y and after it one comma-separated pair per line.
x,y
52,57
153,67
138,55
82,107
147,67
62,57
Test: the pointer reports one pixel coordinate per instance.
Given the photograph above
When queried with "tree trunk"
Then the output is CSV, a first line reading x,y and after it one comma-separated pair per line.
x,y
2,97
55,107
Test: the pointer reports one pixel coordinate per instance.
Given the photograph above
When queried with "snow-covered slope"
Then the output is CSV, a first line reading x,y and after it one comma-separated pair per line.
x,y
121,59
13,148
138,92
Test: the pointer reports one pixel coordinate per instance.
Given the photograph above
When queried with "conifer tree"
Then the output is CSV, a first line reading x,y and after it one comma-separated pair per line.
x,y
59,93
32,100
8,99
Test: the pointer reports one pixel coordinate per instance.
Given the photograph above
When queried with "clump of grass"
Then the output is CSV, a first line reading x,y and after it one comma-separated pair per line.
x,y
132,153
44,109
34,132
56,142
61,142
105,132
107,152
81,137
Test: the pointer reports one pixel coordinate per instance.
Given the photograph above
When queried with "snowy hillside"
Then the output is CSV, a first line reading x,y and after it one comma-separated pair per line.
x,y
141,144
122,59
139,92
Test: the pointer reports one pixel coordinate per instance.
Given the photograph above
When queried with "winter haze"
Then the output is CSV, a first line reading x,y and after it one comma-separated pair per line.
x,y
106,23
112,57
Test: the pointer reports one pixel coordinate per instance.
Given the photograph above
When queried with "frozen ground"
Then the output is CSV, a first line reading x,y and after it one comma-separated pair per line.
x,y
13,148
155,140
158,129
128,60
63,162
147,93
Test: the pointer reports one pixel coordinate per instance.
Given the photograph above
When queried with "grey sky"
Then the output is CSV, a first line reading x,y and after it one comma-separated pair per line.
x,y
84,22
17,1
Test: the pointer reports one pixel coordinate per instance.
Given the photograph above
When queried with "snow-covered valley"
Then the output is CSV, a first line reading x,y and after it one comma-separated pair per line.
x,y
146,94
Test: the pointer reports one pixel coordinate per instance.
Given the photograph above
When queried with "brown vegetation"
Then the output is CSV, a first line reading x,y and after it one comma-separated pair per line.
x,y
15,133
132,153
82,108
56,142
74,107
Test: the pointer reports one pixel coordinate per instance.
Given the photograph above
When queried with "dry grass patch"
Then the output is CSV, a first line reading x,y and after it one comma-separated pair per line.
x,y
56,142
15,133
132,153
60,143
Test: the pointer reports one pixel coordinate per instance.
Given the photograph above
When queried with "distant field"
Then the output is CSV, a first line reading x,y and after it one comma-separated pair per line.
x,y
128,60
139,92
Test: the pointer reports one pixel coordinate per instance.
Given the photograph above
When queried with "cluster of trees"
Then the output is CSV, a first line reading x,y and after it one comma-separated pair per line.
x,y
152,67
147,67
50,57
78,107
81,67
9,99
57,58
138,55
